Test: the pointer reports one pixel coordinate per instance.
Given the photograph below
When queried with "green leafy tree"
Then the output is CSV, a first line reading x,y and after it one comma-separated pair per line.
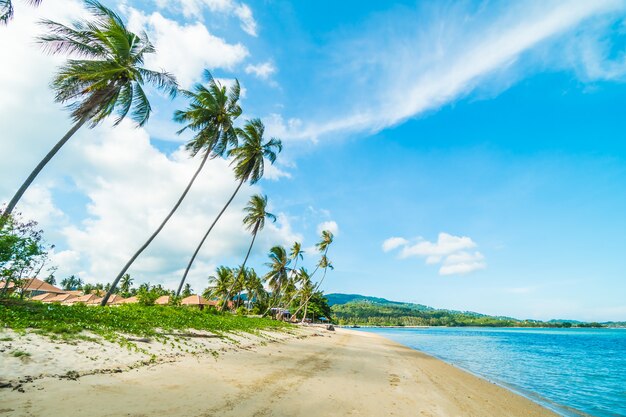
x,y
254,221
249,161
23,252
104,77
210,115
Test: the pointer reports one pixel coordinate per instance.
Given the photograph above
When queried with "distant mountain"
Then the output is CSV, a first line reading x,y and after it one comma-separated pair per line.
x,y
337,298
376,311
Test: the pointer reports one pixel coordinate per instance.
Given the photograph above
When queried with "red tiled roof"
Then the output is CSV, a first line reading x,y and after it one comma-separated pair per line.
x,y
35,284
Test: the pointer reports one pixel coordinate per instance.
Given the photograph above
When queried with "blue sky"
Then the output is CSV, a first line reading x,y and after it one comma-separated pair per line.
x,y
469,155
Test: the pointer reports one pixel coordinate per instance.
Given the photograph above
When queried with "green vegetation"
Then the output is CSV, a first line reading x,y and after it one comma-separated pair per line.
x,y
19,354
363,311
128,319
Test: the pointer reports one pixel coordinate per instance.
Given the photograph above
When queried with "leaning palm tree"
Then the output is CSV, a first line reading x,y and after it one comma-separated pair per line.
x,y
107,79
249,161
254,221
322,246
306,290
296,254
278,274
210,115
6,9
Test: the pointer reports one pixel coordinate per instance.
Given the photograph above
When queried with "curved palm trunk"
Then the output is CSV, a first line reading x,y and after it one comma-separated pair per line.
x,y
156,232
20,192
240,271
306,305
193,257
312,292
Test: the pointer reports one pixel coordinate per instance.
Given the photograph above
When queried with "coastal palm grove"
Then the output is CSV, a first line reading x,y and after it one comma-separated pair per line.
x,y
104,77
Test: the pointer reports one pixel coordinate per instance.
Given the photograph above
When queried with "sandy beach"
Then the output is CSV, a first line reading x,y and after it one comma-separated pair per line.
x,y
312,372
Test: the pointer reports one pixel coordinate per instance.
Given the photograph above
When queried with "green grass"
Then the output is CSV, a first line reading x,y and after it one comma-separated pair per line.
x,y
69,321
19,353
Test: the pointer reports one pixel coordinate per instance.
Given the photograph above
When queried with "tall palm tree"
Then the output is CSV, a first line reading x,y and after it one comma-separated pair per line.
x,y
306,289
322,246
6,9
210,115
296,254
108,79
249,161
278,274
254,221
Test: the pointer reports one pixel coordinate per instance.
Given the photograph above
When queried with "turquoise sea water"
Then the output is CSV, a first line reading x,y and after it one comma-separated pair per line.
x,y
572,371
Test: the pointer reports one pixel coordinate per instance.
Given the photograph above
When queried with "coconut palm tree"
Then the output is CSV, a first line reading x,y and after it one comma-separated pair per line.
x,y
296,254
6,9
322,246
107,79
249,163
219,283
125,285
278,274
254,221
254,287
210,115
306,289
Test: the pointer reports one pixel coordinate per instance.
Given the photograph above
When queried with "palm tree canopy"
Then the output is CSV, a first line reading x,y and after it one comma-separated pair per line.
x,y
109,76
325,263
296,251
210,114
324,243
6,9
219,283
249,157
278,274
256,214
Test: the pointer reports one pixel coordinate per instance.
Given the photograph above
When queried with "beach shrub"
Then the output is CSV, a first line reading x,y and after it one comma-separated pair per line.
x,y
133,319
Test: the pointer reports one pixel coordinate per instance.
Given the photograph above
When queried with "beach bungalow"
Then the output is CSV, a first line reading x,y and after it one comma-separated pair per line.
x,y
60,298
44,296
163,300
129,300
31,287
197,301
115,299
85,299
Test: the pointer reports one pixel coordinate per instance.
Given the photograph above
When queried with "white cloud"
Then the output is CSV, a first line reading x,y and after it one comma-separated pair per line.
x,y
248,24
450,251
263,70
330,225
185,49
194,8
393,243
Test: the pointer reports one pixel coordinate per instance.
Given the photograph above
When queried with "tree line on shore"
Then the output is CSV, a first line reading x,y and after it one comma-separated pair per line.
x,y
369,313
104,77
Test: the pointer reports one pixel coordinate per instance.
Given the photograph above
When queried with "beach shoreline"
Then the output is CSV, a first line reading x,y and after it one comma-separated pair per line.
x,y
311,371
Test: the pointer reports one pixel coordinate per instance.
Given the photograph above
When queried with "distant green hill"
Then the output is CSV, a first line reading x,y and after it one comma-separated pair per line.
x,y
351,309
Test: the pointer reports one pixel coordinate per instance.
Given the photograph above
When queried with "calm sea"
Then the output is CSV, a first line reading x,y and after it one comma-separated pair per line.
x,y
572,371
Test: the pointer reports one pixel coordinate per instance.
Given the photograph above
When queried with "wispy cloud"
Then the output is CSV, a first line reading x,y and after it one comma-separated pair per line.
x,y
453,253
438,54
